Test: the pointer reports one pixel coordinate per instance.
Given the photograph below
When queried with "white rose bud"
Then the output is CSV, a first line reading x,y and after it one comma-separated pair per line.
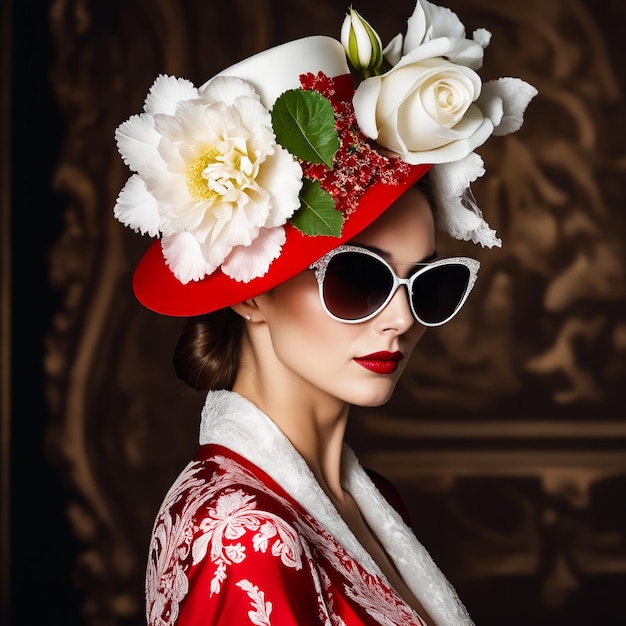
x,y
362,44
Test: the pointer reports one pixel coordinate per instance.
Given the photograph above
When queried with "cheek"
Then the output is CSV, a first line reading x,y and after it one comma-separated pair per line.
x,y
298,303
298,314
305,339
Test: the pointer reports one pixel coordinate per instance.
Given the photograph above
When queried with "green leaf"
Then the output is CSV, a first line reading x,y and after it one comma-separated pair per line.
x,y
304,124
317,214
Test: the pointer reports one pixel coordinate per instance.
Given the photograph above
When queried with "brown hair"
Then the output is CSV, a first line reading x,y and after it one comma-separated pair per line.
x,y
424,184
208,350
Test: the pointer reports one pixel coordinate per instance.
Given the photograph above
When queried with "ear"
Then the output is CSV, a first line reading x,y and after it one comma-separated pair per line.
x,y
248,309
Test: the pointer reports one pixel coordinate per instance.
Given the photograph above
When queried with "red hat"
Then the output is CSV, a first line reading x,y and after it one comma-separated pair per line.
x,y
250,178
158,289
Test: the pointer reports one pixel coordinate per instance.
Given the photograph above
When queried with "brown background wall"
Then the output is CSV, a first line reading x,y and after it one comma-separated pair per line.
x,y
507,436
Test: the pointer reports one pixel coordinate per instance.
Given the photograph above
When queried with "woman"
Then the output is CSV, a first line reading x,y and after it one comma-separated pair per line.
x,y
296,231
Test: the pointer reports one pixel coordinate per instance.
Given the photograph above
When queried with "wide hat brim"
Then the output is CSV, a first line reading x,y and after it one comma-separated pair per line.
x,y
157,288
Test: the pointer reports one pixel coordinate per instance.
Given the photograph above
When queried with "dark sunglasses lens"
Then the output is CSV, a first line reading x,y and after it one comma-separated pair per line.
x,y
355,285
438,292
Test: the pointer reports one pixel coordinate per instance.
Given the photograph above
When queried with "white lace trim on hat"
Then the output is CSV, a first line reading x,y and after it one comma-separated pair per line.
x,y
457,212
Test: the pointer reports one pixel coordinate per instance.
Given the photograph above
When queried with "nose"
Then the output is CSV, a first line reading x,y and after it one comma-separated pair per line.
x,y
396,317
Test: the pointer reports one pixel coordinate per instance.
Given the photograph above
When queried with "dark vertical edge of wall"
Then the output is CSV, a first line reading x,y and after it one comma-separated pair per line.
x,y
5,307
42,585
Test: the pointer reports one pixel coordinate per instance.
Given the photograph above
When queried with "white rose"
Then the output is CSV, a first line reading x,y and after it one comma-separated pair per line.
x,y
432,108
424,110
432,28
428,109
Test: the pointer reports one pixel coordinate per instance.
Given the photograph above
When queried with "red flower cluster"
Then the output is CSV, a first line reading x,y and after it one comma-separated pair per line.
x,y
356,165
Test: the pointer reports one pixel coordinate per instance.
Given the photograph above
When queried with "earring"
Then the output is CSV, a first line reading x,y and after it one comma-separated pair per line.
x,y
248,318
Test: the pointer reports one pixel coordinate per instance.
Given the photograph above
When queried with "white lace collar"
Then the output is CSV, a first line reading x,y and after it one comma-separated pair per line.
x,y
230,420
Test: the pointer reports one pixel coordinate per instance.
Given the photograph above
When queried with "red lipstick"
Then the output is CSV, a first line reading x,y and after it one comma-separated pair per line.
x,y
380,362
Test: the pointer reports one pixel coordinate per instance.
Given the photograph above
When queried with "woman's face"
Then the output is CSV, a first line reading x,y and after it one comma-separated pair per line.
x,y
318,355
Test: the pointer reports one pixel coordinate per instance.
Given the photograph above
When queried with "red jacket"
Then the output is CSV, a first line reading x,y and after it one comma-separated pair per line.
x,y
232,546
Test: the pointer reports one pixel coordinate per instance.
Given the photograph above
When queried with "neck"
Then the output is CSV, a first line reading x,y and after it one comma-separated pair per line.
x,y
313,421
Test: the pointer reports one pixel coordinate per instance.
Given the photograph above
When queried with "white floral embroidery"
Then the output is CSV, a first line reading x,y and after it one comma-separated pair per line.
x,y
324,601
231,421
226,515
166,581
262,610
381,603
233,515
330,600
368,591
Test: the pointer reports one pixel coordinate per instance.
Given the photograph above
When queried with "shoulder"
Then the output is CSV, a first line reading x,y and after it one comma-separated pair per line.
x,y
222,492
223,541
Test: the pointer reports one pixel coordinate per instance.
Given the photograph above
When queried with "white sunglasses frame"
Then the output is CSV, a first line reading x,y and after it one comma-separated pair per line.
x,y
322,263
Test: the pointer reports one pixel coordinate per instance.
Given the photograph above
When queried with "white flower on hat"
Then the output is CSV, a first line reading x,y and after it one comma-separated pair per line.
x,y
210,179
363,46
431,106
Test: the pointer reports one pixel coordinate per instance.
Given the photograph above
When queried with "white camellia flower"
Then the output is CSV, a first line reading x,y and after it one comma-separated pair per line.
x,y
210,178
431,106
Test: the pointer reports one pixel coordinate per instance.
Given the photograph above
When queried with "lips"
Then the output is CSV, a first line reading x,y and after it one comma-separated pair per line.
x,y
380,362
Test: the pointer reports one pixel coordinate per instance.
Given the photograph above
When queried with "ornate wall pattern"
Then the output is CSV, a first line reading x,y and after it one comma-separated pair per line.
x,y
506,436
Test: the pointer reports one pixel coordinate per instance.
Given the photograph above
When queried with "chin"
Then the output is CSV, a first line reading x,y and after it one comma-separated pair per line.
x,y
368,399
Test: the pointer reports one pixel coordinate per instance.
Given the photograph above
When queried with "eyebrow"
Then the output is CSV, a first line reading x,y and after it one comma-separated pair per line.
x,y
387,256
